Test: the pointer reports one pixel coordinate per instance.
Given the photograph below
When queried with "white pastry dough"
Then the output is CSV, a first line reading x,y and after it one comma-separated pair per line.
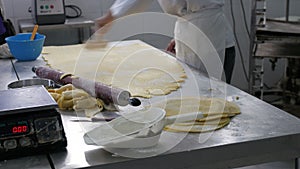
x,y
137,67
211,107
217,113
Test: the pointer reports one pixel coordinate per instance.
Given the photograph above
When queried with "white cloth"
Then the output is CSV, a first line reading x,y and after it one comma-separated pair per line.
x,y
5,52
207,15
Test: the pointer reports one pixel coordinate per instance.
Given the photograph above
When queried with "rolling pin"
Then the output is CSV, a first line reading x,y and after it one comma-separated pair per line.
x,y
96,89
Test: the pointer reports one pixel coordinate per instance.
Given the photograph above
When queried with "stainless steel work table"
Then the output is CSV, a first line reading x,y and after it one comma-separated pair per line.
x,y
260,134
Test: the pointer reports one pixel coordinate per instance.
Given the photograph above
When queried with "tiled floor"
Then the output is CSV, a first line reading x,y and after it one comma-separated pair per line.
x,y
274,165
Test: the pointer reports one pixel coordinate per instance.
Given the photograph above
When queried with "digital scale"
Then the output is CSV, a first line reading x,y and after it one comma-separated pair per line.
x,y
48,11
29,123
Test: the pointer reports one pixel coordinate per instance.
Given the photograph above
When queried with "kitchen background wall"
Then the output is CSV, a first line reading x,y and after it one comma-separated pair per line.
x,y
18,9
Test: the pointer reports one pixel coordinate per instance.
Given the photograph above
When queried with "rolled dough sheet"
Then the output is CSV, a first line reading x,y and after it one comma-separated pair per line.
x,y
217,113
196,128
137,67
210,107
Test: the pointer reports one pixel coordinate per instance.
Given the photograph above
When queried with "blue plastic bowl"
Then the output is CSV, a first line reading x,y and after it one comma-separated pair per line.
x,y
24,49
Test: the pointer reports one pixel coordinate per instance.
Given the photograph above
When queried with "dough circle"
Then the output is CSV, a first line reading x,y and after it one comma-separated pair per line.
x,y
217,113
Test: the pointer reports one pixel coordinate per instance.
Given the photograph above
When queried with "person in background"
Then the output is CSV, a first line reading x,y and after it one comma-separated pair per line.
x,y
2,27
207,15
4,32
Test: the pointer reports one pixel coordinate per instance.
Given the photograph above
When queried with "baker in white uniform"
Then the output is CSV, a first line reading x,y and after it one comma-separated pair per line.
x,y
206,15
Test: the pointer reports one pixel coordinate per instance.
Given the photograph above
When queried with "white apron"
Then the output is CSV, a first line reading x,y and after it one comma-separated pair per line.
x,y
203,33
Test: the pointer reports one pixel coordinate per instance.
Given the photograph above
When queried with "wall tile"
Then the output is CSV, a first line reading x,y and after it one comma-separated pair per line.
x,y
20,8
87,6
8,8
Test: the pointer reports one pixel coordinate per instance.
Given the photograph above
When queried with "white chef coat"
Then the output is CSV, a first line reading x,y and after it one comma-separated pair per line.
x,y
206,15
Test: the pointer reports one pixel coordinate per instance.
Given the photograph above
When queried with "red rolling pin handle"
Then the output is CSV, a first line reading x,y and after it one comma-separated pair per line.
x,y
97,89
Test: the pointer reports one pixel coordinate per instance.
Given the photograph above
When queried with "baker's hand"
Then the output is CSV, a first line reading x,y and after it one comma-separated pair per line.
x,y
102,26
104,21
171,47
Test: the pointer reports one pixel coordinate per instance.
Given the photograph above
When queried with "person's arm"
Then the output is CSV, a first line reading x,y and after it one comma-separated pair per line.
x,y
104,20
122,8
126,7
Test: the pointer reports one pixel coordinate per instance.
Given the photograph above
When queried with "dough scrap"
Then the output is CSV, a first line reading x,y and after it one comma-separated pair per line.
x,y
70,98
137,67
